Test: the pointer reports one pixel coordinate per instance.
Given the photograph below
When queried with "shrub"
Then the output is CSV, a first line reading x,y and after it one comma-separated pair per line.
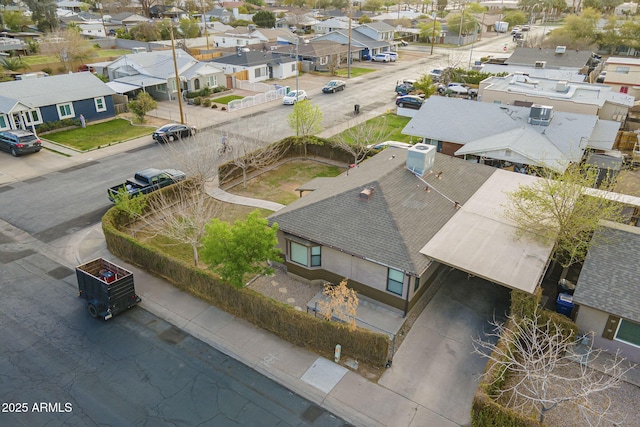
x,y
223,109
214,106
206,102
197,100
58,124
47,70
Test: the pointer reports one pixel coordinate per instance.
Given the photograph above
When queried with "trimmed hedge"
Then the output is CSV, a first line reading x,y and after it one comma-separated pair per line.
x,y
278,318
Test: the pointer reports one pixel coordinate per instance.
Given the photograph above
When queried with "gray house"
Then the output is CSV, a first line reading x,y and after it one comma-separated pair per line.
x,y
509,136
28,103
608,291
389,240
256,66
154,73
371,38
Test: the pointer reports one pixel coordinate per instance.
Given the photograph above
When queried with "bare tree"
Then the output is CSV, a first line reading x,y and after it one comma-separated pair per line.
x,y
359,140
69,46
247,156
537,357
182,213
341,303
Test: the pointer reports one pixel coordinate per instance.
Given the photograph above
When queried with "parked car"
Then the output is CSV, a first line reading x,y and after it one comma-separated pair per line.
x,y
405,87
457,88
526,28
147,181
404,43
18,142
515,30
409,101
333,86
381,57
173,131
393,56
294,96
436,75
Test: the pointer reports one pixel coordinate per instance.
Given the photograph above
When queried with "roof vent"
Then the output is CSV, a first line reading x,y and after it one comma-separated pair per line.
x,y
562,86
540,64
367,193
540,115
561,49
420,158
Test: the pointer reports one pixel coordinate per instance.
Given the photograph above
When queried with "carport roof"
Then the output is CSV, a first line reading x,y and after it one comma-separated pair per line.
x,y
481,241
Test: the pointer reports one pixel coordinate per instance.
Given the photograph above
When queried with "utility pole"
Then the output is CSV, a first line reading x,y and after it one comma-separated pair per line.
x,y
433,33
175,67
349,44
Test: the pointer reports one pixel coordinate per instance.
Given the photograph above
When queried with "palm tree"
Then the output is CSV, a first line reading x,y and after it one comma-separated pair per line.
x,y
13,64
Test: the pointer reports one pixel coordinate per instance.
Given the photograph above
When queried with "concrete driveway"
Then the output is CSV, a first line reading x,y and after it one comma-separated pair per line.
x,y
435,366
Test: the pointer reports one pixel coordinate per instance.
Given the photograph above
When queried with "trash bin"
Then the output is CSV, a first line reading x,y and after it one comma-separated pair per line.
x,y
564,304
356,109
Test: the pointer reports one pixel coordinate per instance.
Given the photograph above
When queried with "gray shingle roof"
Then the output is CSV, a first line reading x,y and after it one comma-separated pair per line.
x,y
55,89
254,58
396,221
609,280
530,55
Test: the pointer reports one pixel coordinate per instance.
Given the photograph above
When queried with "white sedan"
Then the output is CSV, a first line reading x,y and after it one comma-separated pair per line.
x,y
294,96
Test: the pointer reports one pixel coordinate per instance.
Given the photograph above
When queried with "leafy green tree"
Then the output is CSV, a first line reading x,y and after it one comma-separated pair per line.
x,y
146,32
558,210
373,5
43,14
427,31
305,119
259,3
189,28
425,85
240,23
629,34
364,19
473,7
245,247
15,21
264,19
469,24
142,105
69,46
515,17
441,5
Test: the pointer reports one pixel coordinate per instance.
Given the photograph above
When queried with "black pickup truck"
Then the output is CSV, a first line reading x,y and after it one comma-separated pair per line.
x,y
146,181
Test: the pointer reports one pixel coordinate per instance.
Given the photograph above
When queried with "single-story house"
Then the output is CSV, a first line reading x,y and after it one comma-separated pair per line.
x,y
510,136
252,35
607,292
372,225
154,72
259,65
28,103
318,55
558,58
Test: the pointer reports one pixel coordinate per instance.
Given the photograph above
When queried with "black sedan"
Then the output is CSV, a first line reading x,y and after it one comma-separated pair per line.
x,y
333,86
173,131
409,101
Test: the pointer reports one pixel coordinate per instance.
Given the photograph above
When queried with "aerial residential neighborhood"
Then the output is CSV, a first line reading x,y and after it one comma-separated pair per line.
x,y
222,213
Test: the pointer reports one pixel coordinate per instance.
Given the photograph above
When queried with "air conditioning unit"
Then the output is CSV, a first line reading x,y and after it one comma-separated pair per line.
x,y
562,86
540,115
541,64
420,158
561,49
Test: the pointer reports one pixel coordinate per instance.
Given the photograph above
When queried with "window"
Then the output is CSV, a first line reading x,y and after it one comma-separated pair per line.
x,y
294,66
624,89
416,285
100,104
3,122
628,332
259,72
32,117
622,70
304,255
316,256
196,84
212,81
65,111
395,280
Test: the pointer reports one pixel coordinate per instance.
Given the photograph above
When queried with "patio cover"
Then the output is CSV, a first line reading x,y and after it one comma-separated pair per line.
x,y
119,87
482,242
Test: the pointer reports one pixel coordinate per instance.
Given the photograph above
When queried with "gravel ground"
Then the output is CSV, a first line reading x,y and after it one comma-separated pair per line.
x,y
624,410
285,289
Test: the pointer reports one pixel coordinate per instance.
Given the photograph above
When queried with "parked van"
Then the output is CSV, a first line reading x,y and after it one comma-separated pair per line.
x,y
19,142
381,57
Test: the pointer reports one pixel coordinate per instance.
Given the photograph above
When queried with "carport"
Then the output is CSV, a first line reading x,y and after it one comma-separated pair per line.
x,y
481,241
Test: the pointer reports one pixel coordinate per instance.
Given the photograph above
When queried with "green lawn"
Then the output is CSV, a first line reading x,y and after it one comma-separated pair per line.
x,y
279,184
393,125
355,71
100,53
226,99
99,135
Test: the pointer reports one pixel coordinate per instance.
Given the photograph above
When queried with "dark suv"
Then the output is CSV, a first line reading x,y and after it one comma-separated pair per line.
x,y
19,142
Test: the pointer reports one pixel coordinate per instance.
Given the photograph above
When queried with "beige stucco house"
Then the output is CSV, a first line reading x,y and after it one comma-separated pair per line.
x,y
623,74
571,97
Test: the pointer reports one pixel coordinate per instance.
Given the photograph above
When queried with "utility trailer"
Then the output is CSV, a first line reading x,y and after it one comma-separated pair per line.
x,y
107,288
